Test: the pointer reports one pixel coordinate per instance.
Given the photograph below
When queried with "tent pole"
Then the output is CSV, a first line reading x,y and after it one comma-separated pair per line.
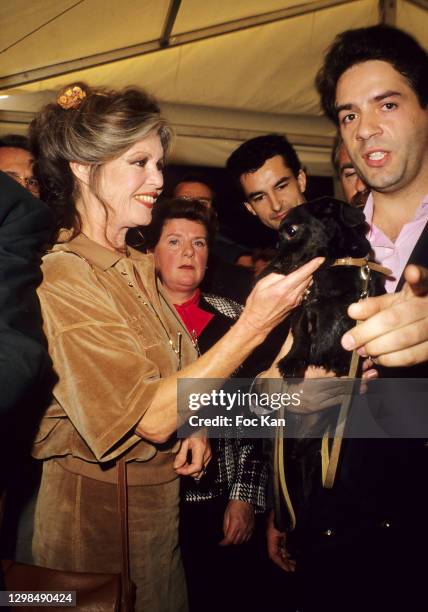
x,y
153,46
174,7
388,12
423,4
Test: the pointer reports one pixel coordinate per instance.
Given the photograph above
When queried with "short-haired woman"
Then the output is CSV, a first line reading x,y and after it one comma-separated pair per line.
x,y
218,512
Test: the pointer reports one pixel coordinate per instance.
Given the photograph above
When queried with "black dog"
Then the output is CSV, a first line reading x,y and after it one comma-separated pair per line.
x,y
332,229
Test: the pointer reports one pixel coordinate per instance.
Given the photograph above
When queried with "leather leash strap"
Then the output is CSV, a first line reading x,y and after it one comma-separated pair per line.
x,y
122,498
329,462
279,480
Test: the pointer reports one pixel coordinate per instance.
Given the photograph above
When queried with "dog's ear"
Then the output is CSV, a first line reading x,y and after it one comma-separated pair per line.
x,y
325,206
352,217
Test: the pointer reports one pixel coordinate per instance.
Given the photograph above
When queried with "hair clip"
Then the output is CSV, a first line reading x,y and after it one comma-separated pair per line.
x,y
71,97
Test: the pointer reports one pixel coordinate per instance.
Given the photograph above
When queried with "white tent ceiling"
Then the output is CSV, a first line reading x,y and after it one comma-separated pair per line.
x,y
224,70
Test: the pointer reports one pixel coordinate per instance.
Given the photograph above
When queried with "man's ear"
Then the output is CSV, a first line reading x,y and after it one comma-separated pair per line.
x,y
301,180
250,208
81,171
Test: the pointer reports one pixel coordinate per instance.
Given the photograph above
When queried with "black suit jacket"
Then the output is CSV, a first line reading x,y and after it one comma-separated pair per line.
x,y
227,279
25,226
419,255
365,492
363,542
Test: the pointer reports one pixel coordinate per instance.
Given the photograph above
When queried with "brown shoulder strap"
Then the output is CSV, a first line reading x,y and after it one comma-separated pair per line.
x,y
122,498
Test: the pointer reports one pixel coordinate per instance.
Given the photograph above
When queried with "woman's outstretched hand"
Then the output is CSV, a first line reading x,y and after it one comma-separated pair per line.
x,y
275,295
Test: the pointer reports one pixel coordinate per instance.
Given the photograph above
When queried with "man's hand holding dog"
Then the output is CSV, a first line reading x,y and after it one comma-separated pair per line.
x,y
322,389
395,327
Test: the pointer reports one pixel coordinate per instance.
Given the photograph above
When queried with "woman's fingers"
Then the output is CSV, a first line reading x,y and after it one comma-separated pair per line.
x,y
200,455
296,277
276,295
181,457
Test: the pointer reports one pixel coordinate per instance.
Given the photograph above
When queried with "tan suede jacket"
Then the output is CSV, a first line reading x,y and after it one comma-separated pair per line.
x,y
109,330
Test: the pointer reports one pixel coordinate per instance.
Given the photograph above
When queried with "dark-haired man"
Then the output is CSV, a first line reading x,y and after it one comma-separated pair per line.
x,y
270,175
25,226
195,187
362,544
16,161
374,86
354,189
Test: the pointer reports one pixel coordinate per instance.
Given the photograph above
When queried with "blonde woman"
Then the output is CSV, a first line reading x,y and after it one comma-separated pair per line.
x,y
114,341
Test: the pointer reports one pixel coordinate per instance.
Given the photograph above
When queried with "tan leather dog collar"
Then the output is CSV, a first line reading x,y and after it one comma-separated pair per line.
x,y
360,262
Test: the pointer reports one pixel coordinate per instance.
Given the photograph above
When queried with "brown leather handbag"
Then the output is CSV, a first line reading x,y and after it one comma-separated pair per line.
x,y
94,592
101,592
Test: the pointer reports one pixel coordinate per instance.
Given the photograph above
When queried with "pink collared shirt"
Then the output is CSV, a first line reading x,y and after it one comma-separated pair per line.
x,y
395,255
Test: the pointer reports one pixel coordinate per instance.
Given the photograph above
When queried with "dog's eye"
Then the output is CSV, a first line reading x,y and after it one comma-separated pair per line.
x,y
289,229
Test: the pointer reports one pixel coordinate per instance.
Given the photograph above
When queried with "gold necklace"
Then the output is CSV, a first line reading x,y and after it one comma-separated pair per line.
x,y
176,349
192,334
195,342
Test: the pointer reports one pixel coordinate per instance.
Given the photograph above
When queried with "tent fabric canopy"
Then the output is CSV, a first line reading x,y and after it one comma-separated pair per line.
x,y
223,71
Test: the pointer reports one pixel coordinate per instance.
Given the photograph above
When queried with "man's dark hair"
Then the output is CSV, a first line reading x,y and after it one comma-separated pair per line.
x,y
381,42
337,144
15,141
252,154
195,177
177,208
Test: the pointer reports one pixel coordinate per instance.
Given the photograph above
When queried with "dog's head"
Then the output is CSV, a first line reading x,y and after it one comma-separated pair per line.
x,y
323,227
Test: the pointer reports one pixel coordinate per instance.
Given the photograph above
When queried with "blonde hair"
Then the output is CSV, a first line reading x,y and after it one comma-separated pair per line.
x,y
98,127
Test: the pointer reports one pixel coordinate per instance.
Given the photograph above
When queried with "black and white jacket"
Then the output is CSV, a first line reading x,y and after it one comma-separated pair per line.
x,y
238,469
